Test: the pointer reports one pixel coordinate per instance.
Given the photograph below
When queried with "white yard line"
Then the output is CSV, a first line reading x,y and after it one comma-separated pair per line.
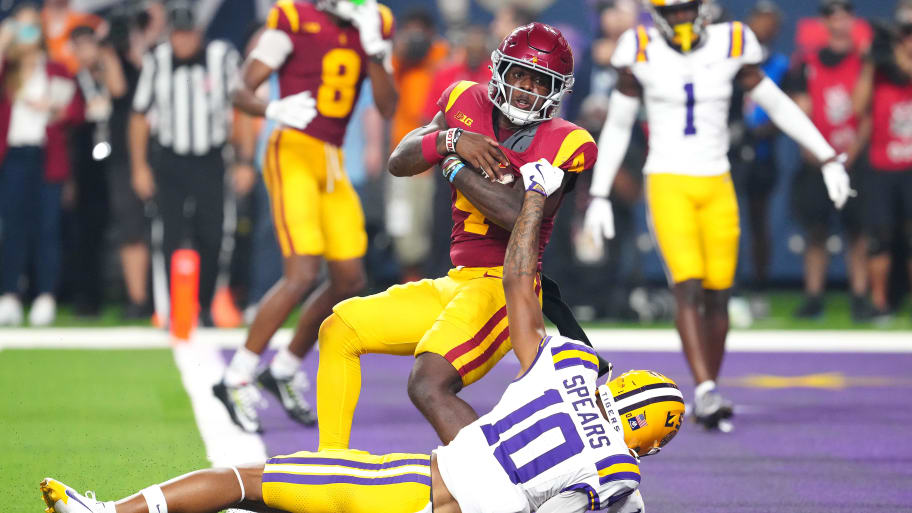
x,y
823,341
201,366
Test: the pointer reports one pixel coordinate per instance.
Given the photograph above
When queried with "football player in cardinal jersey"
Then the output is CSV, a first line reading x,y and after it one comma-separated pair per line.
x,y
456,326
322,52
556,442
683,68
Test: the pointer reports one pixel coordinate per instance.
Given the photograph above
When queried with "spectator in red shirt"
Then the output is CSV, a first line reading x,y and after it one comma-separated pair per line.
x,y
471,60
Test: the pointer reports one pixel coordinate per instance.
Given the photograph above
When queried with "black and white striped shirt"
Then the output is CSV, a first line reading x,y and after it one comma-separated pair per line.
x,y
190,98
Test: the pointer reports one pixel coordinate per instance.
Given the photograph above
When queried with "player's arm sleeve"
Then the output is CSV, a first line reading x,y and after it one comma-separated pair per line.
x,y
273,47
627,49
577,152
789,117
144,96
613,142
565,502
753,52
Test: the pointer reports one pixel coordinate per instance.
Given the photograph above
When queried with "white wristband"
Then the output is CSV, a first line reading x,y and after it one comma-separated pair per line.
x,y
155,499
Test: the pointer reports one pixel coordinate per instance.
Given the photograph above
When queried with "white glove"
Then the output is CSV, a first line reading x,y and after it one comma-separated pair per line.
x,y
540,176
837,181
599,221
366,17
296,111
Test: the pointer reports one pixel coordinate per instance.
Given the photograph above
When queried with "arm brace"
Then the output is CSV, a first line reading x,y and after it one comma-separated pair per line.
x,y
613,142
790,119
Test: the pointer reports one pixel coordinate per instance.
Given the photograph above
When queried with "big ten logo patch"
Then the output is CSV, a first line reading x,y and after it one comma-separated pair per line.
x,y
462,118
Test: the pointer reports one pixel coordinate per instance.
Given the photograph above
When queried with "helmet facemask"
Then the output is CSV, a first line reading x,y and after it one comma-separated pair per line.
x,y
501,92
683,35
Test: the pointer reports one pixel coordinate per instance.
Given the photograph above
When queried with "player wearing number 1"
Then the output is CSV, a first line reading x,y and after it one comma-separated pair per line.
x,y
322,52
684,69
556,442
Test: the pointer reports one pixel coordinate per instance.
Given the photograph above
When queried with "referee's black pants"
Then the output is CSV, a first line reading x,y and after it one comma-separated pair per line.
x,y
191,202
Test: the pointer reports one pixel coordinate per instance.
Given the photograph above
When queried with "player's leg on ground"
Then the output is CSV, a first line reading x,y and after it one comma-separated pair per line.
x,y
689,300
432,387
346,278
715,308
364,325
202,491
284,377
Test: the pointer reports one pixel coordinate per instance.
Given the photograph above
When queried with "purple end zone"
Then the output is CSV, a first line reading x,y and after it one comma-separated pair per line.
x,y
836,443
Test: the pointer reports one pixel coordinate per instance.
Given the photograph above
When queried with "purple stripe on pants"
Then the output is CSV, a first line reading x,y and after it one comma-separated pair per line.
x,y
310,479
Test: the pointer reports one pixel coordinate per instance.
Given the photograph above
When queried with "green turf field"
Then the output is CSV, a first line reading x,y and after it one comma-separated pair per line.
x,y
110,421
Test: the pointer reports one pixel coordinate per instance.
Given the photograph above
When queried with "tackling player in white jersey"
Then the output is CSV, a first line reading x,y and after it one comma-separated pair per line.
x,y
683,69
555,443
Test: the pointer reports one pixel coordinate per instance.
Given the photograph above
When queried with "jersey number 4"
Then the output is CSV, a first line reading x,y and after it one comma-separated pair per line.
x,y
341,70
549,452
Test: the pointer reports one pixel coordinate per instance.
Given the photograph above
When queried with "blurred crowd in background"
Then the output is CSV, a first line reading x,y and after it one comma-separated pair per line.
x,y
79,218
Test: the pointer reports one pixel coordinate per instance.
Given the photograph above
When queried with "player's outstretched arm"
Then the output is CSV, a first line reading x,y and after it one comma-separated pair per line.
x,y
527,326
612,143
408,158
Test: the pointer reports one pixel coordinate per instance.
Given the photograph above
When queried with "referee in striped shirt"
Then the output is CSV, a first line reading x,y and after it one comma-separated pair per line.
x,y
182,116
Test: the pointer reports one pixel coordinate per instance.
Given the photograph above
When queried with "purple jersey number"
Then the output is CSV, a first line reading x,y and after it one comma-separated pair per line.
x,y
689,127
571,445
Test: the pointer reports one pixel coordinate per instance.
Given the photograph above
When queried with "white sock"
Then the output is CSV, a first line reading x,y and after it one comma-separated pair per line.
x,y
155,499
109,507
243,365
285,364
704,387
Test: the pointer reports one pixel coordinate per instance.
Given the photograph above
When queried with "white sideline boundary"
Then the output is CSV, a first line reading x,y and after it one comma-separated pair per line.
x,y
790,341
201,366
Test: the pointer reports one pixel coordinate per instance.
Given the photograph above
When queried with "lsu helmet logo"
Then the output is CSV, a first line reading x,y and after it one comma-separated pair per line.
x,y
651,406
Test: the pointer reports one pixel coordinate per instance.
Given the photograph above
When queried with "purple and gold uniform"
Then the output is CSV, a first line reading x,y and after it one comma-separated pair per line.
x,y
316,211
462,316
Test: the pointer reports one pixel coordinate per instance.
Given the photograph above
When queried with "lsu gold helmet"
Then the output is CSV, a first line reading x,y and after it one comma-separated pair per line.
x,y
651,409
683,34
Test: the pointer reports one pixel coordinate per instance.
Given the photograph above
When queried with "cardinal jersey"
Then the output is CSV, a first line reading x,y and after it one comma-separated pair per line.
x,y
687,95
545,436
326,59
476,241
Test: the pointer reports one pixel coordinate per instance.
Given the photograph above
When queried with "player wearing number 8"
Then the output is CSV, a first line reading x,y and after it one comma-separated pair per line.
x,y
554,443
683,69
321,51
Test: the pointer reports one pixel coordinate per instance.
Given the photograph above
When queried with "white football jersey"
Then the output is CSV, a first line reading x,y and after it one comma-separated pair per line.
x,y
544,437
687,95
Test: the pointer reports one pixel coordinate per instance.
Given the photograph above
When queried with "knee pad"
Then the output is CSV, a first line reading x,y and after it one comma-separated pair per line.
x,y
879,242
336,336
